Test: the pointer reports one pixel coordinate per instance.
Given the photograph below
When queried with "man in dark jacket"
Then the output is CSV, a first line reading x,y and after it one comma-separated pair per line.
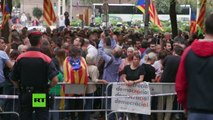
x,y
170,67
31,73
194,81
67,20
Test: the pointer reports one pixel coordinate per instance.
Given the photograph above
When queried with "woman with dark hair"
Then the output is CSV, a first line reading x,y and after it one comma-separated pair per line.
x,y
56,43
133,74
56,90
46,50
75,73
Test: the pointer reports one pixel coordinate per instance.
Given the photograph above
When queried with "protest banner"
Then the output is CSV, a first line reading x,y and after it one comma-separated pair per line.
x,y
137,100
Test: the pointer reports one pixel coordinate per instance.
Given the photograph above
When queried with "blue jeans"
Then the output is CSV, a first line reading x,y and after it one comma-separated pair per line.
x,y
2,101
74,104
55,115
88,106
200,116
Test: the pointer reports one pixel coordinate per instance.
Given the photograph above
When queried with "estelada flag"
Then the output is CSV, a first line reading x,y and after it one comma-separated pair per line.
x,y
152,12
75,72
193,24
5,12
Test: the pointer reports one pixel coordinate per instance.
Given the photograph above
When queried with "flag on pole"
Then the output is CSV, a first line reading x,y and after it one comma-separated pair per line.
x,y
141,5
5,12
49,14
200,20
193,24
152,12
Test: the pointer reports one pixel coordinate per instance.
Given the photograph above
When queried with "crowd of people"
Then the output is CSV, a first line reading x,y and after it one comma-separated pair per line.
x,y
100,56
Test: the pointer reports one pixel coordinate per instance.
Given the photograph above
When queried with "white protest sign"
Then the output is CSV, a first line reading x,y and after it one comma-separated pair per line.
x,y
131,104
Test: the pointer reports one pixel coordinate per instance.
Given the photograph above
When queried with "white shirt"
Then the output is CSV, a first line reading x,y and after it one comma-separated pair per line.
x,y
93,74
91,49
157,65
23,18
61,22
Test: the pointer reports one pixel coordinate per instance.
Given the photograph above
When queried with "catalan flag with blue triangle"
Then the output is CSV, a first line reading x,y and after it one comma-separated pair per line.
x,y
5,12
141,5
152,12
193,24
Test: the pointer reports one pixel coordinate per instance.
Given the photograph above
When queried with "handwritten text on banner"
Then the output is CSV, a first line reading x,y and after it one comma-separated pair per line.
x,y
131,104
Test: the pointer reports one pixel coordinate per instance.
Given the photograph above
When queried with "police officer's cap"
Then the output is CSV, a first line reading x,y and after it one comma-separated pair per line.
x,y
35,35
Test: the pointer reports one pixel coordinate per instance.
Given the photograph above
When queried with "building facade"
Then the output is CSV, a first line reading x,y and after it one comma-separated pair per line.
x,y
75,8
28,5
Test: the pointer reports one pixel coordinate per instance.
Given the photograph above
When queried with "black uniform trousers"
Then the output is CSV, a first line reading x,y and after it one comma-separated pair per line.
x,y
26,109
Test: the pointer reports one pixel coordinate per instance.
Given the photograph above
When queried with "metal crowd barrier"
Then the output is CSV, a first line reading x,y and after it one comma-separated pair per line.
x,y
156,89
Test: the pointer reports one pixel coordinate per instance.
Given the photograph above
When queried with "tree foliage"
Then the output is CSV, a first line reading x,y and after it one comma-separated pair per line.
x,y
16,3
92,1
37,12
163,6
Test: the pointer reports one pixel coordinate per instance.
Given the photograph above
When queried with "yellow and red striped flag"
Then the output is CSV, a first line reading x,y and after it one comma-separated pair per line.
x,y
5,12
200,20
152,12
154,15
49,14
193,24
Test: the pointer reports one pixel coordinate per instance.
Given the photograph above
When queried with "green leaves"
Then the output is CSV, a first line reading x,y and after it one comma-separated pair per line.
x,y
37,12
162,5
90,1
16,3
76,22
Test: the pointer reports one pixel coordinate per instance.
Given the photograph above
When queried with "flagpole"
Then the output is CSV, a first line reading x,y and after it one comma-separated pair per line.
x,y
63,6
59,9
198,9
146,19
71,10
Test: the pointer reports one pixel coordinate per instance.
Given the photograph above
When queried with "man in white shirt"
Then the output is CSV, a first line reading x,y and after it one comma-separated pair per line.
x,y
88,48
61,21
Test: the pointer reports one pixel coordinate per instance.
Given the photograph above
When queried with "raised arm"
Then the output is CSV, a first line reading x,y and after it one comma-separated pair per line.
x,y
102,53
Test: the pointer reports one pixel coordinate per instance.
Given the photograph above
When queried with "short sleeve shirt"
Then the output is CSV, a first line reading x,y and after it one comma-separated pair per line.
x,y
3,59
133,74
33,69
150,72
